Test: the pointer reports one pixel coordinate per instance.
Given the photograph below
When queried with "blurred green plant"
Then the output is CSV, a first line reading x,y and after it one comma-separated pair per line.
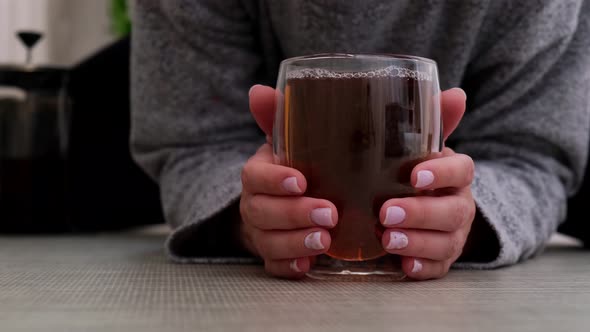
x,y
121,23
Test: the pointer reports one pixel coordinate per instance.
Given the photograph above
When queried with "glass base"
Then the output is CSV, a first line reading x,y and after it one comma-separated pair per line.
x,y
384,268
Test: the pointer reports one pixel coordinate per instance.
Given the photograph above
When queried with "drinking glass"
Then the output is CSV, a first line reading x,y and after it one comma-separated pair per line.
x,y
355,125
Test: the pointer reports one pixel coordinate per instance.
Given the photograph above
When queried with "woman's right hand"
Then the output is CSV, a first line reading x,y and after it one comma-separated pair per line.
x,y
278,223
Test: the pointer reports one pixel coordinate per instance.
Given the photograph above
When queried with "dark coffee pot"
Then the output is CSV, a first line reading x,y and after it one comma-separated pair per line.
x,y
34,112
34,122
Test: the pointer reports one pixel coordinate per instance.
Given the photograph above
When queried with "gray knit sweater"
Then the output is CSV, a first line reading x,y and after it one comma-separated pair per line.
x,y
524,64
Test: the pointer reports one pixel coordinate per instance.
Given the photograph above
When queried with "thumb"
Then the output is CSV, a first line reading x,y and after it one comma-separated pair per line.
x,y
452,107
262,107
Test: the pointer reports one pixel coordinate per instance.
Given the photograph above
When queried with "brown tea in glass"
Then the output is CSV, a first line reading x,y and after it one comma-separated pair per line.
x,y
355,126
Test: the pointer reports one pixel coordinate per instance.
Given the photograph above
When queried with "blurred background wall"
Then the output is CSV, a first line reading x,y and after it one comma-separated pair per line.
x,y
73,29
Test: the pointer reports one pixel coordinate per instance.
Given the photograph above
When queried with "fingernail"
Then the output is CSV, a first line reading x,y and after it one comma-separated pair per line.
x,y
394,215
314,241
293,266
290,185
462,92
252,89
322,217
397,240
417,266
425,178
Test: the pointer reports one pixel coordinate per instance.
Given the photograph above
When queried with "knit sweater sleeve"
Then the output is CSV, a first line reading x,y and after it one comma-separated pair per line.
x,y
527,124
192,65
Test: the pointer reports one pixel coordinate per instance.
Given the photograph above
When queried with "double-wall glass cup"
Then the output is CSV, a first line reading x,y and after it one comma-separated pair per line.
x,y
356,125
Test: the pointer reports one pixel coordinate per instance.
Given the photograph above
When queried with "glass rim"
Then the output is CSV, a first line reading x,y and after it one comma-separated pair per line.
x,y
366,56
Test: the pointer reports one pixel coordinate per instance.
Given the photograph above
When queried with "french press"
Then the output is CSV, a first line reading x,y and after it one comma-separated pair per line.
x,y
34,109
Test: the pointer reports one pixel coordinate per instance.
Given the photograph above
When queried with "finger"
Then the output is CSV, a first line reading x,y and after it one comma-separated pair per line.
x,y
270,179
454,171
288,268
286,213
275,245
262,106
446,152
438,213
453,107
424,269
423,244
246,232
263,154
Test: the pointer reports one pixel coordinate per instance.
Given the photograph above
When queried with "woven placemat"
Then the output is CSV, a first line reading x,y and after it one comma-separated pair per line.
x,y
125,283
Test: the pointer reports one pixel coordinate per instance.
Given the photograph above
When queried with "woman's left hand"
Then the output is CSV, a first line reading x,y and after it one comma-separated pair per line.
x,y
430,231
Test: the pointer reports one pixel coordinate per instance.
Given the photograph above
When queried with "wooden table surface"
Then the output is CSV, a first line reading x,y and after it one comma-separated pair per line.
x,y
123,282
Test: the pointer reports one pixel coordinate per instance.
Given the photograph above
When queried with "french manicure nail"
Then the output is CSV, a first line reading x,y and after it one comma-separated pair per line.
x,y
314,241
322,217
417,266
394,215
290,185
397,240
425,178
293,266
